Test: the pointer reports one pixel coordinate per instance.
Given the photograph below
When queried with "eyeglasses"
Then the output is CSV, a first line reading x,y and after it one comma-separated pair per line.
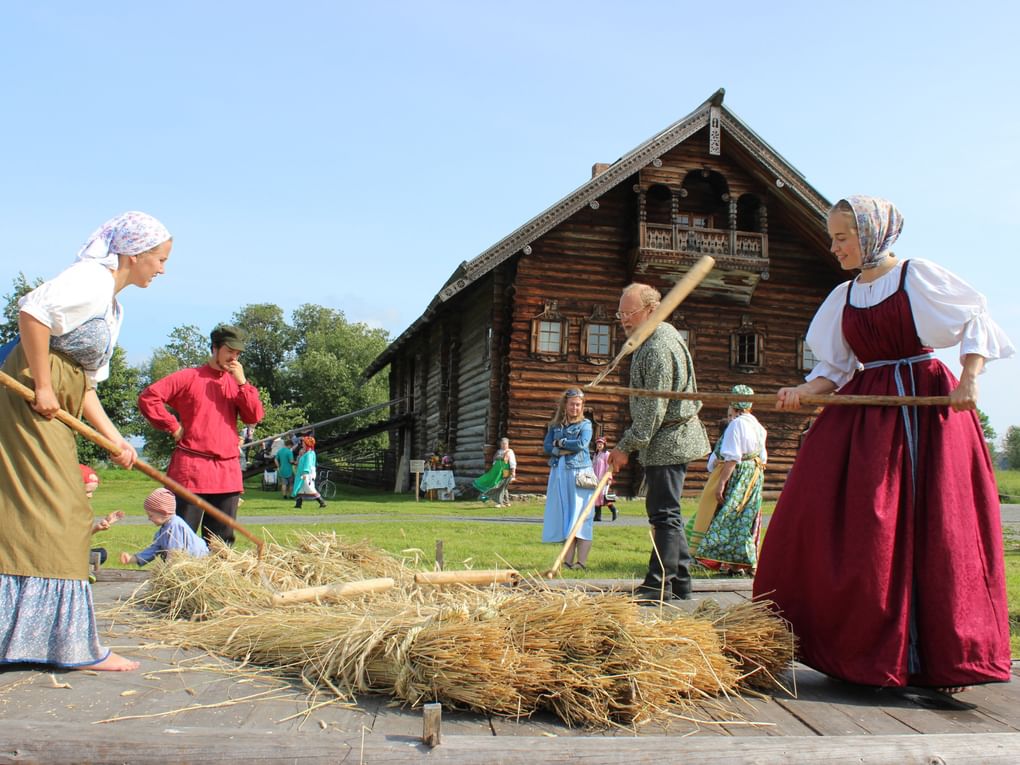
x,y
574,393
628,314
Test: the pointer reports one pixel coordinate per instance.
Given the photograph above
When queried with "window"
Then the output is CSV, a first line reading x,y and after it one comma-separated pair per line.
x,y
745,350
807,358
549,334
598,336
747,346
694,220
597,340
679,322
487,347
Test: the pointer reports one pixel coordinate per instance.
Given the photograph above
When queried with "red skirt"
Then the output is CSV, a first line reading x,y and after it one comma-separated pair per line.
x,y
882,587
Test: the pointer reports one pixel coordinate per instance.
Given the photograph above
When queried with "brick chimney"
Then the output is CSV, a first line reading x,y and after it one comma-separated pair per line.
x,y
599,167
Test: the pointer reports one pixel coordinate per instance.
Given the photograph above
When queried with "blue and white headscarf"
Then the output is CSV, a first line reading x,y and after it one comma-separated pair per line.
x,y
879,223
130,233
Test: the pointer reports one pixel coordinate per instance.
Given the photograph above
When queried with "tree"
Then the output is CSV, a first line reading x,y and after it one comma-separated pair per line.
x,y
187,347
989,432
269,344
118,394
326,374
279,418
9,327
1011,445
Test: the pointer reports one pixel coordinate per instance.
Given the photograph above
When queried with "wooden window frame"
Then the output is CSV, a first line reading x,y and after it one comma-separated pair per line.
x,y
803,351
679,322
549,316
598,318
747,330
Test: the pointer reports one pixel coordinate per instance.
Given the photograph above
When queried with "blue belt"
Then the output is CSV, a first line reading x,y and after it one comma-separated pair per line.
x,y
910,421
909,412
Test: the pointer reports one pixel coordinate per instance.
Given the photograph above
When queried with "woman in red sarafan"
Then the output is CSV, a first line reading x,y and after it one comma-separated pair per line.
x,y
885,549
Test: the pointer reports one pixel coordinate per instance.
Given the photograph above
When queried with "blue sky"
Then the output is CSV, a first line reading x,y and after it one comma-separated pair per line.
x,y
331,153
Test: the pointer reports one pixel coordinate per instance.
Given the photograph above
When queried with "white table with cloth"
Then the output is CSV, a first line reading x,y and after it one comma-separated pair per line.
x,y
439,483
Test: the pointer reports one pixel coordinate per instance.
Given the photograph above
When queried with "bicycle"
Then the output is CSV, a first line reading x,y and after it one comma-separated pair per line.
x,y
327,489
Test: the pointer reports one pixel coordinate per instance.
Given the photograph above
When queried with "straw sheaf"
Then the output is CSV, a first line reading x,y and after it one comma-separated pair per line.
x,y
761,644
594,661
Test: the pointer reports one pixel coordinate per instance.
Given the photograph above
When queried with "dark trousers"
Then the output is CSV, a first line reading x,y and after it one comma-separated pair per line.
x,y
195,516
670,561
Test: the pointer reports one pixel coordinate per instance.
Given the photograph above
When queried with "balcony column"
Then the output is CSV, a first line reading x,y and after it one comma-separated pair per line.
x,y
763,227
732,215
674,214
642,216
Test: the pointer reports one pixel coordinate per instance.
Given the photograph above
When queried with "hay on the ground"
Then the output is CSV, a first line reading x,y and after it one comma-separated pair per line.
x,y
594,660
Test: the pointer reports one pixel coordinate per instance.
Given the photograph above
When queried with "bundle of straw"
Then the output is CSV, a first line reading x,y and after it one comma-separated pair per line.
x,y
761,643
594,660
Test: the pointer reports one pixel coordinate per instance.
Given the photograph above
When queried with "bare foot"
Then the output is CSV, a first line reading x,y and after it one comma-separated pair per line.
x,y
113,663
953,690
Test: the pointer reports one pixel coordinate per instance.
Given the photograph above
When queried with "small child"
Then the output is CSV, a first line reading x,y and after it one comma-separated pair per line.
x,y
91,481
173,534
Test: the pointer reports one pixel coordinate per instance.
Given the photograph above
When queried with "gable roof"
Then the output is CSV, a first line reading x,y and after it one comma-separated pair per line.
x,y
787,179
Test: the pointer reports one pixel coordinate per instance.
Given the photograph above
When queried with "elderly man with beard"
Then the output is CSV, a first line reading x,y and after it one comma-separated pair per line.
x,y
667,435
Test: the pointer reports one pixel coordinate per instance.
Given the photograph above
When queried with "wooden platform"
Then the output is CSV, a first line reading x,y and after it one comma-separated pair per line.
x,y
185,706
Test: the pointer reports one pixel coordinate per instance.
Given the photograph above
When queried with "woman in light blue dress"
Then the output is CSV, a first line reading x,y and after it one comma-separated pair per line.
x,y
566,441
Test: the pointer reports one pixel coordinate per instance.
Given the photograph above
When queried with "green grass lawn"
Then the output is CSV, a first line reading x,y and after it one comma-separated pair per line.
x,y
1009,485
411,529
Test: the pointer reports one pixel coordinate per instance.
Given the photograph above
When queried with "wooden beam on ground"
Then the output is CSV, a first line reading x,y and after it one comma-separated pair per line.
x,y
49,742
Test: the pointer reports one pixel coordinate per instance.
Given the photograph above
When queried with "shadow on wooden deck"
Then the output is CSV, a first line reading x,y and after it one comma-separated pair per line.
x,y
185,706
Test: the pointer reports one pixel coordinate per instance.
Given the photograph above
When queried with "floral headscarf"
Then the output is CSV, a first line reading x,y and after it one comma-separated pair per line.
x,y
741,390
130,233
878,225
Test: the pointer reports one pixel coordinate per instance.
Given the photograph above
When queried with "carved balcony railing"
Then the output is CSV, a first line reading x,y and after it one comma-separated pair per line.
x,y
741,256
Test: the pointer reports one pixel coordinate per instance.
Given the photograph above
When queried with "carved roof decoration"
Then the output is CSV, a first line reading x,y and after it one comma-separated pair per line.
x,y
786,179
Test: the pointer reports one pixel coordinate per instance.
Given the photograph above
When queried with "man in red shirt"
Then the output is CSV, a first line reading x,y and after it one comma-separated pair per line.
x,y
209,400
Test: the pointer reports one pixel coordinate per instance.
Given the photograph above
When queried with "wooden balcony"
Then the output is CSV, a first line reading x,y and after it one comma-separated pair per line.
x,y
741,257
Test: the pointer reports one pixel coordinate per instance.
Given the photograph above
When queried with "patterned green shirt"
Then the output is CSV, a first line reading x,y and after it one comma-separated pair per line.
x,y
664,363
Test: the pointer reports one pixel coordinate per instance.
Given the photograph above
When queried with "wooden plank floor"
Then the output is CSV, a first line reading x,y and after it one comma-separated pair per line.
x,y
187,690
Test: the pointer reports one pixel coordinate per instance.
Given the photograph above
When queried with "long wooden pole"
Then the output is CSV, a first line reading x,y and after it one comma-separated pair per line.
x,y
572,535
334,591
140,465
483,577
725,397
666,306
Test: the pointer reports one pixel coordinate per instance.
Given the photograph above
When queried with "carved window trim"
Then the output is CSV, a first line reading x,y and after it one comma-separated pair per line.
x,y
542,327
747,346
487,346
600,320
806,359
679,322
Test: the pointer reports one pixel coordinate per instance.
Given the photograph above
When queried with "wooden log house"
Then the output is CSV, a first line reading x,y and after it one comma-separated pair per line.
x,y
534,313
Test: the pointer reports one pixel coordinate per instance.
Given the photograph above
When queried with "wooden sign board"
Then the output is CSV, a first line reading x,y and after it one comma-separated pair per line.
x,y
417,467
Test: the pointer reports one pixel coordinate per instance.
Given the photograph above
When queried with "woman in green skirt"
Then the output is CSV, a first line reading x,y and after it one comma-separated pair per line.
x,y
724,533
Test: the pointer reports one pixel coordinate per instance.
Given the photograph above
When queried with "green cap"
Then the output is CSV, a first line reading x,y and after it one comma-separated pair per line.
x,y
741,390
228,335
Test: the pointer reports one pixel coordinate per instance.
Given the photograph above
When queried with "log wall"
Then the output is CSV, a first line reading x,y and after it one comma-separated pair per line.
x,y
470,386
